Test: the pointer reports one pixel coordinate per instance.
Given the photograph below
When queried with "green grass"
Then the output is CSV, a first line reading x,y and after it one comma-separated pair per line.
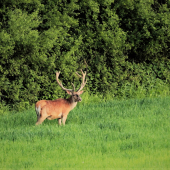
x,y
132,134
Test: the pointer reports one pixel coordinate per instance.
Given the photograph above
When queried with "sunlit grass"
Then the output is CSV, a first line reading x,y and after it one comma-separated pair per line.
x,y
114,134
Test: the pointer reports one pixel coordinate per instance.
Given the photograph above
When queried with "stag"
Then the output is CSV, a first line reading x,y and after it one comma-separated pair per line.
x,y
60,108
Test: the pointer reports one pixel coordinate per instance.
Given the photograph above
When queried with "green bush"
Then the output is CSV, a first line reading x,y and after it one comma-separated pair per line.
x,y
125,43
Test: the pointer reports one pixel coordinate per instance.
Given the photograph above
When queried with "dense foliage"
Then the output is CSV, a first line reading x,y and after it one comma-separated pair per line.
x,y
125,43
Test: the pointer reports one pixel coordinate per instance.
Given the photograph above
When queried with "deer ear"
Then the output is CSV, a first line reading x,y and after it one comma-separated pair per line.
x,y
80,92
68,92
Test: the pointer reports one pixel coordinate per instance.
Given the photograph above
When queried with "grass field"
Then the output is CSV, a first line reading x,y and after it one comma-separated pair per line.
x,y
132,134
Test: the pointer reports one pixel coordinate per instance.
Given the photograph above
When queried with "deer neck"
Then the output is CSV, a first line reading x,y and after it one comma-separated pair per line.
x,y
72,102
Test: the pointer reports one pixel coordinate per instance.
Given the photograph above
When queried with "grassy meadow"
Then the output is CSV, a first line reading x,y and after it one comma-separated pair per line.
x,y
129,134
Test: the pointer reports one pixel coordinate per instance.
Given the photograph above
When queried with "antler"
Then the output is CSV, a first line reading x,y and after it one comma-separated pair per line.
x,y
60,84
83,80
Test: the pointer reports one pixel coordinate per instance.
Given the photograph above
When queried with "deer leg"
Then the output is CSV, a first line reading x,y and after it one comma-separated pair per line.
x,y
64,119
59,121
40,120
42,116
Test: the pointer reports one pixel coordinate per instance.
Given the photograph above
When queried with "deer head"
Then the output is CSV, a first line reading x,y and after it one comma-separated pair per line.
x,y
75,94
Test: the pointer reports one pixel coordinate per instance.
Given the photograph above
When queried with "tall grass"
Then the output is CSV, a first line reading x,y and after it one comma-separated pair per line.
x,y
109,135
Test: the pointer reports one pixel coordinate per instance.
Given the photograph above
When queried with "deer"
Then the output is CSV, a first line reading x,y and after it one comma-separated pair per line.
x,y
60,108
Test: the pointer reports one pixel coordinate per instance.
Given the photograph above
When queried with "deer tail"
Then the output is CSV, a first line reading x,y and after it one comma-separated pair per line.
x,y
38,109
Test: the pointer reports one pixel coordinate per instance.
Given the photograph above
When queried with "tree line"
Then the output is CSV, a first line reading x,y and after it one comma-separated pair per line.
x,y
125,43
